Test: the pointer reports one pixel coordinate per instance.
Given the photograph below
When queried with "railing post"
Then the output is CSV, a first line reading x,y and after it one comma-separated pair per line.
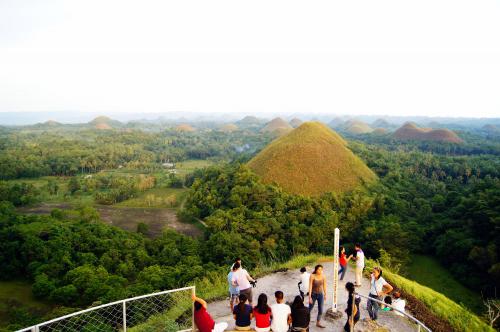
x,y
124,316
351,319
418,327
37,329
193,292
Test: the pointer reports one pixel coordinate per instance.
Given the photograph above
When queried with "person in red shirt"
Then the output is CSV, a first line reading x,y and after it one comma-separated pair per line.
x,y
202,318
343,262
262,313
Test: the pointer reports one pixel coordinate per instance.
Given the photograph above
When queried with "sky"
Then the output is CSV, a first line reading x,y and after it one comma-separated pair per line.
x,y
430,58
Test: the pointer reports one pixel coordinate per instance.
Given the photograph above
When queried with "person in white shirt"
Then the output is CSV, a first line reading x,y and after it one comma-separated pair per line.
x,y
359,257
378,289
282,314
304,282
242,279
398,304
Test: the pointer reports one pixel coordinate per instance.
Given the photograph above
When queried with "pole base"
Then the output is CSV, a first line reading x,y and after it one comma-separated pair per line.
x,y
333,315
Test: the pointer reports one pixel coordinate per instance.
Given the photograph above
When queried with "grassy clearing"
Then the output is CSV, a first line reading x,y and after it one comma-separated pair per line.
x,y
18,294
428,272
157,198
459,317
188,166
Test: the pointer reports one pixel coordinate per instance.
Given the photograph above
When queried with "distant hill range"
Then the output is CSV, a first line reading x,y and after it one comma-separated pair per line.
x,y
277,125
311,160
410,131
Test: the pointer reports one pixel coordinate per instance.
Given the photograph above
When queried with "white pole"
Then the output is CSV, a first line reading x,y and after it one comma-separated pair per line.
x,y
124,316
335,268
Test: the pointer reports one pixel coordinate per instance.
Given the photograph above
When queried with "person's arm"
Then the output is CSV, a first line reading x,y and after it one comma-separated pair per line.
x,y
324,287
249,278
349,258
289,319
197,299
388,287
310,287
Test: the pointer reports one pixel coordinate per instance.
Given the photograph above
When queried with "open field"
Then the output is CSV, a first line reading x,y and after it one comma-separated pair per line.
x,y
428,272
157,198
128,218
188,166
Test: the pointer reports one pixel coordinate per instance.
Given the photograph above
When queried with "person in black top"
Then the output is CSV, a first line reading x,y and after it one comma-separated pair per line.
x,y
243,314
300,315
352,310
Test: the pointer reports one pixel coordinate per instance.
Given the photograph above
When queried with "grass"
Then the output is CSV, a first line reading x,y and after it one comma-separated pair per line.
x,y
188,166
157,198
459,317
428,272
18,294
311,160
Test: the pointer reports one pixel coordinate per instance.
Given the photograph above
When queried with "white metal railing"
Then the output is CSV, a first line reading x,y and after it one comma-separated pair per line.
x,y
171,309
420,325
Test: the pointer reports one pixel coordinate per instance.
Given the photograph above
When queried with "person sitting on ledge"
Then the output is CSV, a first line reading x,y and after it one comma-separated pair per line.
x,y
202,318
243,314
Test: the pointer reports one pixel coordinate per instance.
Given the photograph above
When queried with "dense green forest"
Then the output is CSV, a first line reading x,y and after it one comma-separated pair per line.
x,y
431,198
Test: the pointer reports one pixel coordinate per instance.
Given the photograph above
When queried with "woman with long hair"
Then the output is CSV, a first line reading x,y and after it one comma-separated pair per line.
x,y
300,315
377,286
262,314
243,314
352,310
317,292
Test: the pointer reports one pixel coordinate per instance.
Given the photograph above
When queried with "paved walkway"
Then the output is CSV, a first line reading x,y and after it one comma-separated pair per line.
x,y
287,282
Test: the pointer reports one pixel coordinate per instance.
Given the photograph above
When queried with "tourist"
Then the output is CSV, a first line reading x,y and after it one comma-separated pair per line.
x,y
300,315
262,314
352,310
281,314
317,291
243,314
304,282
234,291
242,279
343,260
377,285
359,257
398,304
202,318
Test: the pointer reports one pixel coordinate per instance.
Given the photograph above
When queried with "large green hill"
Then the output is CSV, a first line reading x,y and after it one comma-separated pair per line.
x,y
311,160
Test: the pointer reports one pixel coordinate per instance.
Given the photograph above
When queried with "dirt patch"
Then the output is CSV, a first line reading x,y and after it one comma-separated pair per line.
x,y
156,219
128,218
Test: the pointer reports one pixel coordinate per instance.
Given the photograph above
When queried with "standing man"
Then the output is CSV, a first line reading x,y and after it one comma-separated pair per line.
x,y
359,257
234,291
242,279
304,282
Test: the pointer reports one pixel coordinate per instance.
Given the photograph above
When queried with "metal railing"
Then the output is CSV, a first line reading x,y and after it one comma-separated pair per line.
x,y
420,325
170,311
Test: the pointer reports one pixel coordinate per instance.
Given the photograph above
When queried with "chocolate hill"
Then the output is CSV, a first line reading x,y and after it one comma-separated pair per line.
x,y
185,128
410,131
277,125
295,122
311,160
103,122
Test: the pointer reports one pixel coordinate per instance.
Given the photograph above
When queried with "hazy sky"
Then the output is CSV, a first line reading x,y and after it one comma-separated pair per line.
x,y
348,57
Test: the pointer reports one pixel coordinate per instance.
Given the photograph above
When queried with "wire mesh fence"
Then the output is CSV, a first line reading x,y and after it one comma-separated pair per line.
x,y
167,311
